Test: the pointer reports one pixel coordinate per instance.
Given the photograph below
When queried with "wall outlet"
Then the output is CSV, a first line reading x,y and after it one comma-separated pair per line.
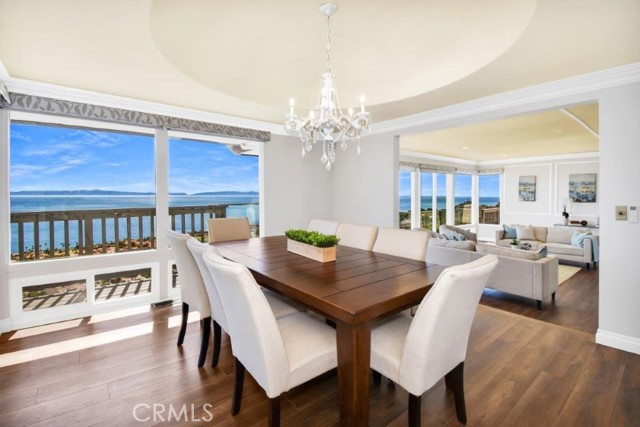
x,y
621,213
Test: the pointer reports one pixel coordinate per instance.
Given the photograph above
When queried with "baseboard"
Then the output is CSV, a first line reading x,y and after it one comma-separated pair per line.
x,y
5,325
621,342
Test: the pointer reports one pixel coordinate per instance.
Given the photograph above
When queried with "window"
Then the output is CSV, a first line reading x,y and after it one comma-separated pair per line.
x,y
462,197
122,284
209,180
441,199
404,191
77,191
426,200
54,295
489,192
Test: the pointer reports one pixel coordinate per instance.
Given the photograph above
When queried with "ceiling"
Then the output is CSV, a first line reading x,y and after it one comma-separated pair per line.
x,y
247,58
546,133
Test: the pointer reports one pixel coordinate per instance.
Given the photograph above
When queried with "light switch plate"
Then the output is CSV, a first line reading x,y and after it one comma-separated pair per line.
x,y
621,213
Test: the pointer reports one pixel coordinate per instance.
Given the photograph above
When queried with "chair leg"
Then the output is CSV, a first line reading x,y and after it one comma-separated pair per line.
x,y
274,412
237,388
539,304
217,336
206,332
414,410
183,327
588,266
455,381
377,377
553,297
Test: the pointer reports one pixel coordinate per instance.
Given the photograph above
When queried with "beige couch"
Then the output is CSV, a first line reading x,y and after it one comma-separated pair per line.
x,y
558,242
518,272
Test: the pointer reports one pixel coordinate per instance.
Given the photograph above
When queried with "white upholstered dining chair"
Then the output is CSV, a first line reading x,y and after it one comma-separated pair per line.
x,y
417,352
279,353
279,307
403,243
192,290
323,226
357,236
226,229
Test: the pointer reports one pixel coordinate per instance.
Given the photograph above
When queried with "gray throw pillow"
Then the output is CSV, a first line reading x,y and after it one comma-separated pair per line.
x,y
509,232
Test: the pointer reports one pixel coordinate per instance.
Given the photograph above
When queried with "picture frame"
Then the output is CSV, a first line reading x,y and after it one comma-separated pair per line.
x,y
583,187
527,188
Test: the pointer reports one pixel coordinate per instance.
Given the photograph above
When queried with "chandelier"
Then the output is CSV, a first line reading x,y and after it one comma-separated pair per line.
x,y
327,123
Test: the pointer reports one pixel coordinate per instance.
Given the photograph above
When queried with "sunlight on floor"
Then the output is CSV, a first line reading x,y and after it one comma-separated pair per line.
x,y
37,330
119,314
175,321
76,344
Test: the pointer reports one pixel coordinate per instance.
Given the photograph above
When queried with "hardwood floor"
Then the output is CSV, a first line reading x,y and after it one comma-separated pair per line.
x,y
520,371
575,307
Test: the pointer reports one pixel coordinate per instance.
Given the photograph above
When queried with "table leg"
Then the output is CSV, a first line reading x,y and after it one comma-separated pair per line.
x,y
354,353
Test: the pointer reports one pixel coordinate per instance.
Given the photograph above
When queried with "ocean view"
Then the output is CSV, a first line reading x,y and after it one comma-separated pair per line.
x,y
246,205
426,202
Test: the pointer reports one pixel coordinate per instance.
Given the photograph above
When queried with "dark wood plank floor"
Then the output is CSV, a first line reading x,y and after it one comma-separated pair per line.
x,y
576,304
520,371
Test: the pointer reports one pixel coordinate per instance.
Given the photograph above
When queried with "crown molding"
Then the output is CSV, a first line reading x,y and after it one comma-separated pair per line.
x,y
570,156
576,85
47,90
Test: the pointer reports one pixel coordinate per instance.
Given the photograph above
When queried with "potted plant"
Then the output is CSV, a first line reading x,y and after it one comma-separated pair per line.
x,y
311,244
514,244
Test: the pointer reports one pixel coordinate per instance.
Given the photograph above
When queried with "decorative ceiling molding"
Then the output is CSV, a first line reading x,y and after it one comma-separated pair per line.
x,y
47,90
497,163
576,85
37,104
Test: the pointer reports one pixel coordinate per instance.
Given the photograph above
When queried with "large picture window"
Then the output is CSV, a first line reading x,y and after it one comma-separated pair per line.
x,y
210,180
77,191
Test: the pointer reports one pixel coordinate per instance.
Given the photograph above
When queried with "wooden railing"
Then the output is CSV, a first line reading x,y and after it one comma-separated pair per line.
x,y
490,215
130,229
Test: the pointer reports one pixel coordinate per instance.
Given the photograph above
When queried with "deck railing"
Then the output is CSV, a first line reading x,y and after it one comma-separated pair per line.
x,y
103,231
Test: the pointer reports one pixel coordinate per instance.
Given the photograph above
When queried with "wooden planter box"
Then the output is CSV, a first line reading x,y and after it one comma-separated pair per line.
x,y
313,252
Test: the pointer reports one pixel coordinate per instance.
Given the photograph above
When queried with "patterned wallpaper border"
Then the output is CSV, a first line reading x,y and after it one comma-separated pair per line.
x,y
37,104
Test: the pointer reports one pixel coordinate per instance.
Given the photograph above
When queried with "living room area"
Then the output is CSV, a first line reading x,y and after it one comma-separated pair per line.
x,y
497,179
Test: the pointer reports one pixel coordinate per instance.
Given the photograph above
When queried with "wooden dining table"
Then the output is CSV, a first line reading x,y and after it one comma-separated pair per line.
x,y
353,291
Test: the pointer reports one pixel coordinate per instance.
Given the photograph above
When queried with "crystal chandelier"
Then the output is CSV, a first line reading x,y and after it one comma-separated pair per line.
x,y
327,123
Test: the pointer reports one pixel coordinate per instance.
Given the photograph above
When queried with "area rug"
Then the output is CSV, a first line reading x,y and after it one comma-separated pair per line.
x,y
566,272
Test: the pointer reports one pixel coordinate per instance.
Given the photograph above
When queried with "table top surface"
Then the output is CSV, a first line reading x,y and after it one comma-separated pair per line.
x,y
359,286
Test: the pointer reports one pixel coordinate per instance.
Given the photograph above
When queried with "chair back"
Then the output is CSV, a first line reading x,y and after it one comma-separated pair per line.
x,y
225,229
255,337
357,236
438,336
404,243
323,226
192,288
198,249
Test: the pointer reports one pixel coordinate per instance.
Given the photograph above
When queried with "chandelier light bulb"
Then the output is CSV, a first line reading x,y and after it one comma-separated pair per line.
x,y
326,122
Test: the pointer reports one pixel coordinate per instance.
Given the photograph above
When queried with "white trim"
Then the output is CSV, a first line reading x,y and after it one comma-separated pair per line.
x,y
619,341
5,214
73,121
568,156
580,122
576,85
5,326
4,74
47,90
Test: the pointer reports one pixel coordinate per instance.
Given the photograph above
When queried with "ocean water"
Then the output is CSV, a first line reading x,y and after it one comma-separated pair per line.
x,y
243,205
425,202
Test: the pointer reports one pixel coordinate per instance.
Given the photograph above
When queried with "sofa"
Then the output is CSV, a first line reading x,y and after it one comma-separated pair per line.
x,y
557,240
518,272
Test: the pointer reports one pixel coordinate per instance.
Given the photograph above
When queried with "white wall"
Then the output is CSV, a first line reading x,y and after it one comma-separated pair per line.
x,y
619,324
552,187
365,186
295,189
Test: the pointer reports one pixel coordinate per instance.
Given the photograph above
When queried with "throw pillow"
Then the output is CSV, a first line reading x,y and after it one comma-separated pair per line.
x,y
509,232
542,252
452,235
525,232
578,238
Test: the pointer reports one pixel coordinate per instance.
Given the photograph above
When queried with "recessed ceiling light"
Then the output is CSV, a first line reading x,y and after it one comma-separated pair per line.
x,y
504,155
465,147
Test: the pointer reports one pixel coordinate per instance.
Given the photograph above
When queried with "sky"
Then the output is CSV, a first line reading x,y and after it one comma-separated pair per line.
x,y
489,185
59,158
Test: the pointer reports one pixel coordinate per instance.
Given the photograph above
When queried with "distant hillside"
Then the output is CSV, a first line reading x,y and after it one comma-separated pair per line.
x,y
85,193
227,193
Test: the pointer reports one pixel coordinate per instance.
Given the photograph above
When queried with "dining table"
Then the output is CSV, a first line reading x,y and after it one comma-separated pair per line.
x,y
357,289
